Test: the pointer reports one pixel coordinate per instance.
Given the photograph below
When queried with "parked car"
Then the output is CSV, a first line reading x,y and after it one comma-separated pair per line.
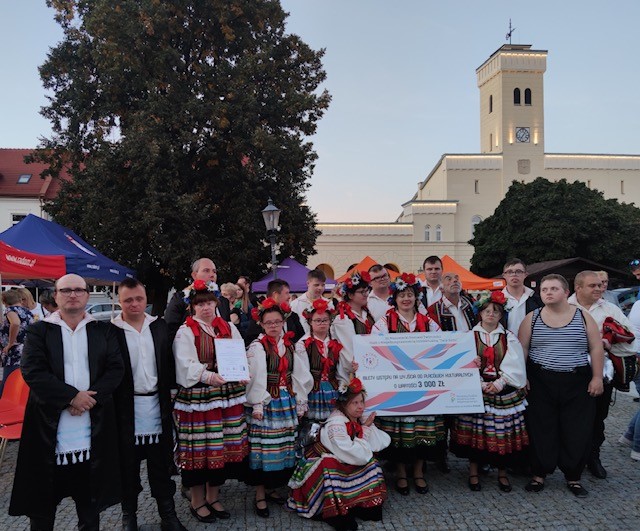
x,y
103,311
627,297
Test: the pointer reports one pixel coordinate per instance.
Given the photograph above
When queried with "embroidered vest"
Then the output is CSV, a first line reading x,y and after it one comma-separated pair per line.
x,y
316,365
484,351
274,376
447,320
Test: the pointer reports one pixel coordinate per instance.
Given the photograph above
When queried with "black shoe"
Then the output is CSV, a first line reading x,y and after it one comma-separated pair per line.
x,y
504,484
595,467
534,486
223,515
262,513
420,489
636,399
475,487
168,518
402,490
443,466
577,490
208,519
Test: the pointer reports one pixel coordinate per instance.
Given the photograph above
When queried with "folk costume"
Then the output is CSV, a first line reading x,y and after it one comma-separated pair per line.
x,y
270,392
145,416
416,437
498,436
212,430
340,478
62,455
452,318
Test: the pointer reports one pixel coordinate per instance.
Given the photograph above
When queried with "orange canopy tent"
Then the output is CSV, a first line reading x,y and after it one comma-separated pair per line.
x,y
362,266
470,281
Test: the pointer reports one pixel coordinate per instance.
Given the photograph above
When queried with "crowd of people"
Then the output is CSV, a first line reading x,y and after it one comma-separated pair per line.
x,y
106,396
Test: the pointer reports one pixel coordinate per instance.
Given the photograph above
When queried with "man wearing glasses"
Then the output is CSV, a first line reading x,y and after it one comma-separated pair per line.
x,y
72,365
378,300
521,299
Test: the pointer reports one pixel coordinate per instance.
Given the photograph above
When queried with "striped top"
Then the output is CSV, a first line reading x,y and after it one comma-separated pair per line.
x,y
559,349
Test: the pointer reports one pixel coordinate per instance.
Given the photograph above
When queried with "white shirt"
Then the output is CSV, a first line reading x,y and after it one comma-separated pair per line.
x,y
634,319
377,306
517,308
382,327
433,295
456,311
142,354
512,368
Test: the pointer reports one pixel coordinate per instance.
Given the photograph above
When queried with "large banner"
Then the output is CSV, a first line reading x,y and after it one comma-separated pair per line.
x,y
429,373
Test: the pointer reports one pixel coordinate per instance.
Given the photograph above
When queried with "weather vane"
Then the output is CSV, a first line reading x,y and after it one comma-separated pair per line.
x,y
510,34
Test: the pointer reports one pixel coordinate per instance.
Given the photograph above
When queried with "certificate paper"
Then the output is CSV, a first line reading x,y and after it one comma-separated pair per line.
x,y
427,373
232,359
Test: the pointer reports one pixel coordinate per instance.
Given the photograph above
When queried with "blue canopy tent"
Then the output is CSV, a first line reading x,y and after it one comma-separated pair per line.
x,y
40,236
294,273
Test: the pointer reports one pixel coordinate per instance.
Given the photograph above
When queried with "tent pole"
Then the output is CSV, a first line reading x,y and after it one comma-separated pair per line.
x,y
113,299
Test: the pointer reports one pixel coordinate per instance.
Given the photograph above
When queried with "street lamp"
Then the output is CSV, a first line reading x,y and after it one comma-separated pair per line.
x,y
271,215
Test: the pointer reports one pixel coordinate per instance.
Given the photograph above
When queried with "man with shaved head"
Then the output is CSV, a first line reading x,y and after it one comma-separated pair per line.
x,y
453,312
69,444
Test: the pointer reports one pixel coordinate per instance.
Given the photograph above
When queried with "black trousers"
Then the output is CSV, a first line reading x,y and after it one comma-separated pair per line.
x,y
71,481
602,412
162,486
560,415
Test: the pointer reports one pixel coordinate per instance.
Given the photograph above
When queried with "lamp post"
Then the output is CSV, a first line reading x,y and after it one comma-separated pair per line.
x,y
271,215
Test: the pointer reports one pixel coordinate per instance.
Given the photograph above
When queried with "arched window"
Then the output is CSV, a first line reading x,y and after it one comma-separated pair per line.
x,y
392,267
438,233
326,269
527,96
427,233
490,104
474,221
516,96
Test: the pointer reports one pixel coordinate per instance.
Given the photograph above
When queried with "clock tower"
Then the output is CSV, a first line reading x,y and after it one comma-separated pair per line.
x,y
512,109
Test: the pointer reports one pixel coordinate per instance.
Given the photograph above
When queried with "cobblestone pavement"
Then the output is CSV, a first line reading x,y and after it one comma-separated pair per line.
x,y
613,503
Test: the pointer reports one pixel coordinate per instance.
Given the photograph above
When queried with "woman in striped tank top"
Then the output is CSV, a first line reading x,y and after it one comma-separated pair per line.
x,y
558,340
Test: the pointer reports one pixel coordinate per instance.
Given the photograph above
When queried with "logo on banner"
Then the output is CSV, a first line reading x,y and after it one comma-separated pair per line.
x,y
20,260
81,247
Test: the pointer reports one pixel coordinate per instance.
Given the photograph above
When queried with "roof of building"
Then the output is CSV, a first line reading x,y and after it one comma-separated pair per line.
x,y
19,179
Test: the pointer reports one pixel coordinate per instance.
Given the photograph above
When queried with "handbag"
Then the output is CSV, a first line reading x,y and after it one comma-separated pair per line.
x,y
624,367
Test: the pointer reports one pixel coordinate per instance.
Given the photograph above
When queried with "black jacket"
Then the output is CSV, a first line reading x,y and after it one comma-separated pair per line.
x,y
43,369
123,398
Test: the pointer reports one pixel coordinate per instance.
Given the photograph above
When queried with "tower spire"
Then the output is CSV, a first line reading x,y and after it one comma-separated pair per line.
x,y
510,34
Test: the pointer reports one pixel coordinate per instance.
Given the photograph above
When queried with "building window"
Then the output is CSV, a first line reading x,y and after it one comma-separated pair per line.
x,y
490,142
490,104
427,233
17,218
438,233
24,178
476,186
392,267
622,187
527,96
588,184
516,96
327,270
474,221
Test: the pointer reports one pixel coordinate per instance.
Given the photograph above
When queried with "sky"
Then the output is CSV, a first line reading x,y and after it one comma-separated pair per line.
x,y
402,77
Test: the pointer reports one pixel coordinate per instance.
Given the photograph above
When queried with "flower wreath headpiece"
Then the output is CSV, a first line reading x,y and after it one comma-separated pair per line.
x,y
345,392
200,286
402,282
268,304
358,278
496,297
319,306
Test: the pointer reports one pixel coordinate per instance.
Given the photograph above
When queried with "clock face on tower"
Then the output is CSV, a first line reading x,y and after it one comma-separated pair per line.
x,y
522,134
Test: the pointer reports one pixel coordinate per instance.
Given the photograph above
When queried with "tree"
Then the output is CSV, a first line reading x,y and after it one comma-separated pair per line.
x,y
177,120
545,220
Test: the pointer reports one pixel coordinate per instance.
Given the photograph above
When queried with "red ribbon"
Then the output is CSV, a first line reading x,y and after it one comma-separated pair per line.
x,y
288,338
422,322
283,365
269,341
354,429
219,325
327,364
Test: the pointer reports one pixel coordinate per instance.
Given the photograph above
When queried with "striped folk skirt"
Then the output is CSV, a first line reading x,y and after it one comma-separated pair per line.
x,y
212,432
322,402
272,441
421,437
327,487
498,436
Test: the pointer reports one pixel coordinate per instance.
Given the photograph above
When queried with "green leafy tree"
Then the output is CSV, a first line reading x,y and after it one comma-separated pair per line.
x,y
545,220
177,120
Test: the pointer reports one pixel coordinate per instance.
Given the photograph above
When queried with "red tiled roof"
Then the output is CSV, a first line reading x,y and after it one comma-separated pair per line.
x,y
12,166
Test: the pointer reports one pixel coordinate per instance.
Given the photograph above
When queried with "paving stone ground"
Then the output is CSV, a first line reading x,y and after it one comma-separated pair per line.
x,y
613,503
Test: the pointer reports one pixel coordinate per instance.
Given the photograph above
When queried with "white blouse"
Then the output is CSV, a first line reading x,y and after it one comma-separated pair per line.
x,y
512,369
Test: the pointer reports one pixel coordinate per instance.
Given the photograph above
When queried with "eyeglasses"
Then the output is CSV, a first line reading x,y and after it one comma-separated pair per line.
x,y
514,272
76,291
382,277
363,291
320,321
272,323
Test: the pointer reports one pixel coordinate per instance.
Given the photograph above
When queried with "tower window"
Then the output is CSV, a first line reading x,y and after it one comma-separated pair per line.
x,y
490,142
476,186
24,178
474,221
527,96
622,187
438,233
427,233
490,104
516,96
